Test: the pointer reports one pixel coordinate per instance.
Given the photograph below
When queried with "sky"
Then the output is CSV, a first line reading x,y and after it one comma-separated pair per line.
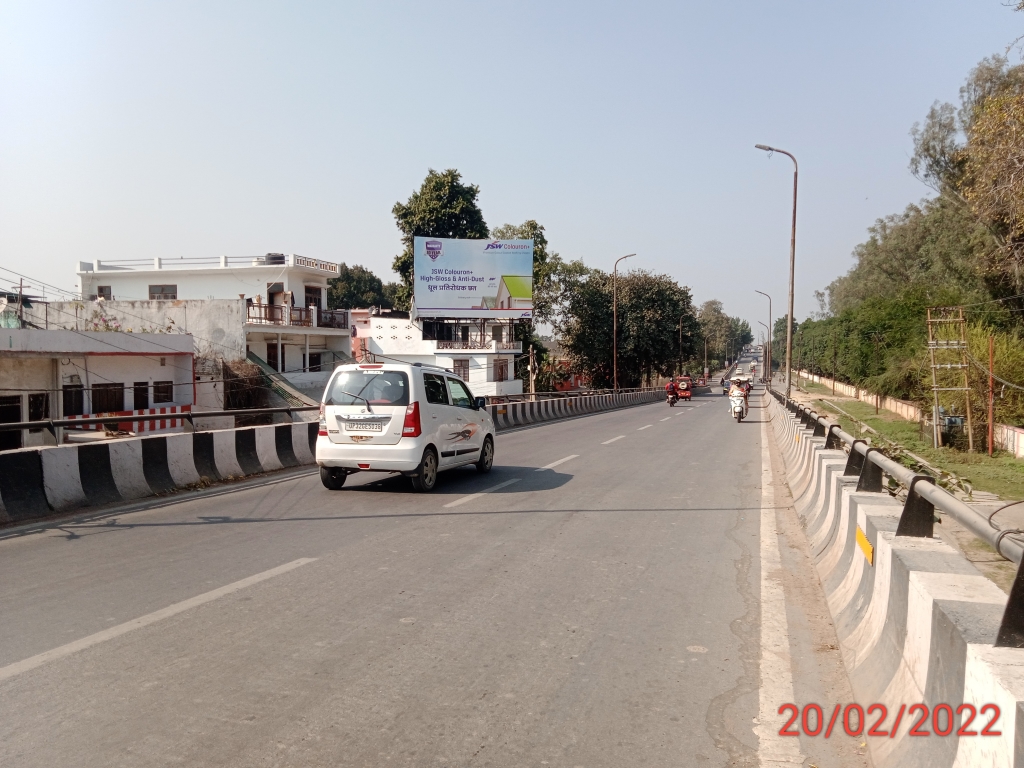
x,y
170,129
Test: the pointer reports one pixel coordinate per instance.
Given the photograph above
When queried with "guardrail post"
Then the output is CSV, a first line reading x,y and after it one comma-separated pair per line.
x,y
855,460
1011,628
870,480
918,517
819,429
832,440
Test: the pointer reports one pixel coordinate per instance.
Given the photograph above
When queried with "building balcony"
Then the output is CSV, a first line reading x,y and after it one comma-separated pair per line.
x,y
480,344
302,317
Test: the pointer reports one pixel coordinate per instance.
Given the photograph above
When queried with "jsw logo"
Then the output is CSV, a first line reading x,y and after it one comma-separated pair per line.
x,y
496,245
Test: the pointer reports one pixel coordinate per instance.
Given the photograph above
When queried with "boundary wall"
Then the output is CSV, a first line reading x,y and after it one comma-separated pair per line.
x,y
915,620
38,482
1005,437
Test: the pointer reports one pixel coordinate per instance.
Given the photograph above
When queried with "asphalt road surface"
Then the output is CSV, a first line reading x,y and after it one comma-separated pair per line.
x,y
621,590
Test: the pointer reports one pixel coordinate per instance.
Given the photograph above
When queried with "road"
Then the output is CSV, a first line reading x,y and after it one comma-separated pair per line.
x,y
609,610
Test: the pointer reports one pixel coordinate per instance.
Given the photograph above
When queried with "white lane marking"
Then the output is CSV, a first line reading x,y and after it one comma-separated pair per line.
x,y
666,418
554,464
641,429
472,496
606,442
143,621
776,665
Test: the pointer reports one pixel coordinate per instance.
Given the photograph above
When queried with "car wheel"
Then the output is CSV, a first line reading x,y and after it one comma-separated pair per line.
x,y
426,475
483,466
333,478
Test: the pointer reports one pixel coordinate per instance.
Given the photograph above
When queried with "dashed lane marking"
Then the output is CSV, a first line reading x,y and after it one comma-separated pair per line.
x,y
143,621
472,496
666,418
606,442
554,464
641,429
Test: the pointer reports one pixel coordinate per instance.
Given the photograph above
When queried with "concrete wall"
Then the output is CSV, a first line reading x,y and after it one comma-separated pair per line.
x,y
916,622
217,327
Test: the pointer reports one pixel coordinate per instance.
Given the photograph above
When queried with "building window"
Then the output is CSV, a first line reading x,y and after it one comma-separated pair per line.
x,y
107,398
163,392
38,407
461,368
10,412
74,402
501,369
104,292
313,296
498,333
163,292
464,333
140,395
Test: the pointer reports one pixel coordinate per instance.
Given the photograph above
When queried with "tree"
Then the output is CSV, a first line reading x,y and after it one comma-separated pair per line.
x,y
993,179
356,286
442,207
650,308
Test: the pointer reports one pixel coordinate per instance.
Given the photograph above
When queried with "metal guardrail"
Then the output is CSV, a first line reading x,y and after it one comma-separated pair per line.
x,y
923,498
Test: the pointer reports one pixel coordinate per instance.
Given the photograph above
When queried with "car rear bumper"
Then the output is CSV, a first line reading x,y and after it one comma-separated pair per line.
x,y
404,456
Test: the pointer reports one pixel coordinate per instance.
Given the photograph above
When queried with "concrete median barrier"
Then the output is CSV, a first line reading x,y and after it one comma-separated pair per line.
x,y
37,482
916,622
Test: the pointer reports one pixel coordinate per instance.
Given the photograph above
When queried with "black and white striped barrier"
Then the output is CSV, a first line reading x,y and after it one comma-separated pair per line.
x,y
35,482
508,415
916,621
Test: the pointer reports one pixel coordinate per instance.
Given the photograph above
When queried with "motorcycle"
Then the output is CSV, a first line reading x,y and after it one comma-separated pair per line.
x,y
738,407
671,398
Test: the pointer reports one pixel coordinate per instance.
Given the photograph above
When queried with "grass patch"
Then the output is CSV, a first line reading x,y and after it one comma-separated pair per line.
x,y
1002,474
814,388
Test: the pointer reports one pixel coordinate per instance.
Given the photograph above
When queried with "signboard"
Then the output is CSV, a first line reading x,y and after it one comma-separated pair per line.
x,y
473,278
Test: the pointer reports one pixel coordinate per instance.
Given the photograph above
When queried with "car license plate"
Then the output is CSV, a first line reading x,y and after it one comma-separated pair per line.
x,y
368,426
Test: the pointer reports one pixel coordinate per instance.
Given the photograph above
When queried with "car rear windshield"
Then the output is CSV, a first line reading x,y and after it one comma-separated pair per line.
x,y
376,386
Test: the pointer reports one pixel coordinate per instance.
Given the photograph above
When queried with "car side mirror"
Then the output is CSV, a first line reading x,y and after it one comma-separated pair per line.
x,y
480,402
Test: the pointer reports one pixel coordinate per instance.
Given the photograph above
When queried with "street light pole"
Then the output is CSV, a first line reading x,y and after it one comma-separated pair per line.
x,y
792,268
768,349
769,327
615,322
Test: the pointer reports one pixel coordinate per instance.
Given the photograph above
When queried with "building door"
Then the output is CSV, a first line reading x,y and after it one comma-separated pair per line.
x,y
140,395
272,354
107,398
467,436
10,413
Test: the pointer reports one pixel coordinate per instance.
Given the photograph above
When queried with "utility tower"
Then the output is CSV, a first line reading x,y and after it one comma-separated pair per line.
x,y
947,347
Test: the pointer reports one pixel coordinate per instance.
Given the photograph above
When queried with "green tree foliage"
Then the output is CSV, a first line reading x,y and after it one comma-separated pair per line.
x,y
650,309
357,286
442,207
971,155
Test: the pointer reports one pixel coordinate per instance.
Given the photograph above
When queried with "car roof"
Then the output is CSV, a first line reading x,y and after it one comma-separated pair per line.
x,y
399,366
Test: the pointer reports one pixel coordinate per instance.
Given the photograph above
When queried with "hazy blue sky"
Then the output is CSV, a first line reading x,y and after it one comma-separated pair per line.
x,y
144,129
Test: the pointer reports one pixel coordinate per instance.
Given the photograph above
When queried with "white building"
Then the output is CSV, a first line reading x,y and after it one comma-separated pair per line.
x,y
481,351
271,307
57,374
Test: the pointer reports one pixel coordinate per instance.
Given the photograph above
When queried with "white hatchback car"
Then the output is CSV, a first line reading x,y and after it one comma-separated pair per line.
x,y
396,417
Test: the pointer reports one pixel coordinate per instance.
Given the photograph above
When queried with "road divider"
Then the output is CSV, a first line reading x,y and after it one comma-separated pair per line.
x,y
918,625
38,482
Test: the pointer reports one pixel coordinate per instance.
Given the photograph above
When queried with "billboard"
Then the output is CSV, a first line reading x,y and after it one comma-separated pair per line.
x,y
473,278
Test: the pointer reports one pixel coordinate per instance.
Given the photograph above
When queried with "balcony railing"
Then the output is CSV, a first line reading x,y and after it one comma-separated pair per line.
x,y
481,343
280,314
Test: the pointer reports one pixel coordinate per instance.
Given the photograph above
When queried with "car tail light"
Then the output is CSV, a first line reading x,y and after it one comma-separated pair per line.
x,y
411,427
323,422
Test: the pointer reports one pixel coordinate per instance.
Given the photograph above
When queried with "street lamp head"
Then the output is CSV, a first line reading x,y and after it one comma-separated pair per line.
x,y
764,147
